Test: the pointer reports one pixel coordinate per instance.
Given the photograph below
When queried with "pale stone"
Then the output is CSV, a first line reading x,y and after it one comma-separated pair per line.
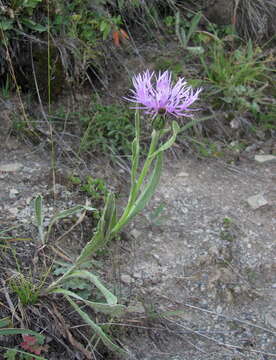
x,y
126,278
135,233
13,211
183,174
12,167
257,201
270,318
13,193
264,158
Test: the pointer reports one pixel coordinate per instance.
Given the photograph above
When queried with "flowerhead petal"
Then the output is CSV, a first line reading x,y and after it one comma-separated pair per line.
x,y
156,94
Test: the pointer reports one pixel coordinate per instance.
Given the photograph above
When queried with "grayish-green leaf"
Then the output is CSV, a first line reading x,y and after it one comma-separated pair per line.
x,y
38,208
150,188
14,331
102,235
114,310
169,143
97,329
84,274
66,213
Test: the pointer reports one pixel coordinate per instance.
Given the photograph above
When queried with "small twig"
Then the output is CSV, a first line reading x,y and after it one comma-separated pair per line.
x,y
80,220
70,337
61,253
10,303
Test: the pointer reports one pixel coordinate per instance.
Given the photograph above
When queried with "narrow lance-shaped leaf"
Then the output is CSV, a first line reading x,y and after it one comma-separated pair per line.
x,y
84,274
149,190
68,212
38,207
14,331
114,310
5,322
193,27
97,329
102,234
135,152
193,122
169,143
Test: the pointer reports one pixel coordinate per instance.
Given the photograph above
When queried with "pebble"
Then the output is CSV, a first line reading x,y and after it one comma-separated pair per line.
x,y
12,167
13,193
126,279
135,233
13,211
252,147
183,174
270,318
256,201
264,158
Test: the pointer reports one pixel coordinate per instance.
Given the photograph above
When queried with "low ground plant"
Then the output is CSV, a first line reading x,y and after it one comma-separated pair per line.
x,y
237,77
107,129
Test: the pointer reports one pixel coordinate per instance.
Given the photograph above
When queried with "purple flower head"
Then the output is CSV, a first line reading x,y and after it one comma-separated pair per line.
x,y
157,95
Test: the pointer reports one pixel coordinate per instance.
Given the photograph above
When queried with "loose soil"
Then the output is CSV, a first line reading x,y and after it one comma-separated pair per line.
x,y
198,279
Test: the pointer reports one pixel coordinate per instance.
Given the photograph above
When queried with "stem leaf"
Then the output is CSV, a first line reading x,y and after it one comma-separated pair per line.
x,y
111,309
102,235
169,143
98,330
150,188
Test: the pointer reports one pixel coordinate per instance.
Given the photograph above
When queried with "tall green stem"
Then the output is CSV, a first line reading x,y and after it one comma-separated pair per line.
x,y
136,187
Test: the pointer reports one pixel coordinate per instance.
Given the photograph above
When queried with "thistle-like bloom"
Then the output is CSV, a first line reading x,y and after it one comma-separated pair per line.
x,y
157,95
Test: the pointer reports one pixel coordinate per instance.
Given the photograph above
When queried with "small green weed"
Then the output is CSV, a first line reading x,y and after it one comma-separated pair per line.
x,y
227,222
20,15
6,88
237,77
266,119
108,129
81,287
186,30
207,148
162,63
26,291
96,188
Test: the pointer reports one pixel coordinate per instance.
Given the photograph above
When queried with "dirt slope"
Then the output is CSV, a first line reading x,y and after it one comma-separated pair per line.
x,y
208,256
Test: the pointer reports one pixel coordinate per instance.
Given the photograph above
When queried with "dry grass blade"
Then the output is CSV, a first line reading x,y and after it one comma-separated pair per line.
x,y
76,344
10,303
97,329
256,18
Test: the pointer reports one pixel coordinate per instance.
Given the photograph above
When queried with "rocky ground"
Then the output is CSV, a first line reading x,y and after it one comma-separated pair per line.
x,y
211,259
197,268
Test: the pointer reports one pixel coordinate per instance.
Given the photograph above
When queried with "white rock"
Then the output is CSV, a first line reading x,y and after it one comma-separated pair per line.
x,y
264,158
235,124
12,167
126,279
13,193
257,201
13,211
183,174
270,318
135,233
